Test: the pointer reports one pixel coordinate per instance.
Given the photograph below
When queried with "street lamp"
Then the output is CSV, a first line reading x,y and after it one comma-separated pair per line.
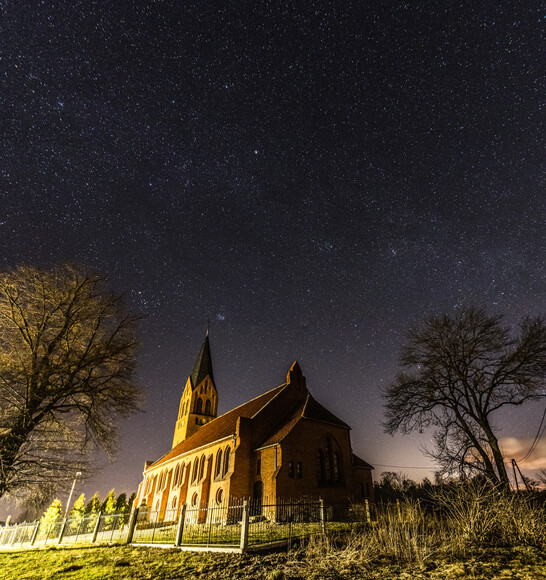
x,y
71,492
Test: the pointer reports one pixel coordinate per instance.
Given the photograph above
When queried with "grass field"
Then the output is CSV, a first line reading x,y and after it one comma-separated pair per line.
x,y
122,562
473,532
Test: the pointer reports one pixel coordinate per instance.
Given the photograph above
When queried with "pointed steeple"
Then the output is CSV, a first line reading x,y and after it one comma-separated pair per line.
x,y
199,401
203,364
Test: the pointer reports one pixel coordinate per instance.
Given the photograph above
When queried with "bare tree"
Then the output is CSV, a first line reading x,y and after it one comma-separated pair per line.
x,y
67,356
461,371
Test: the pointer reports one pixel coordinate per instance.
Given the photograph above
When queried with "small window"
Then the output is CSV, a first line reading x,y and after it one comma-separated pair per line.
x,y
219,496
290,469
299,470
258,467
194,499
199,406
201,468
173,504
207,407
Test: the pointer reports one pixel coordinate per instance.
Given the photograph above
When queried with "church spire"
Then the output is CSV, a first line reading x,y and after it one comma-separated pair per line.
x,y
199,401
203,364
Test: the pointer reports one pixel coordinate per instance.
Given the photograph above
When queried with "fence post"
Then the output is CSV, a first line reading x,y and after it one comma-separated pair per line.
x,y
132,525
96,530
61,533
244,527
35,533
368,516
180,527
322,518
4,533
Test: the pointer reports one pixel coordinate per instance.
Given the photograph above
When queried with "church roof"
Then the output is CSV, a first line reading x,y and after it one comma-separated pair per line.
x,y
308,408
357,462
221,427
314,410
203,364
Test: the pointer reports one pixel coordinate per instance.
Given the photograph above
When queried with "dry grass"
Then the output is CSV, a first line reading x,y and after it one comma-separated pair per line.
x,y
468,524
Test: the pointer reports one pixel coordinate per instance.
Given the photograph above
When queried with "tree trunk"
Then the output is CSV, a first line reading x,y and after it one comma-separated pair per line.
x,y
499,461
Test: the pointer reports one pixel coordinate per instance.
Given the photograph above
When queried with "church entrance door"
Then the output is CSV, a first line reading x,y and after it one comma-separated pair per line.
x,y
257,498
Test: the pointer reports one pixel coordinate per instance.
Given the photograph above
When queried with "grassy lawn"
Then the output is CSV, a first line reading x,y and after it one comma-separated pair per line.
x,y
119,562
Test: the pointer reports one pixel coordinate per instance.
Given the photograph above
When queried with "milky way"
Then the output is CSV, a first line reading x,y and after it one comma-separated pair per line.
x,y
313,178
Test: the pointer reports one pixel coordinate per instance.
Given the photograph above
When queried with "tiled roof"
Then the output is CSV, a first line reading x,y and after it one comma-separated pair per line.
x,y
221,427
357,462
282,429
307,409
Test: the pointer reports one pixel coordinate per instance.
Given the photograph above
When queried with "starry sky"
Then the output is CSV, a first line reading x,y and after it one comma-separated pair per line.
x,y
313,177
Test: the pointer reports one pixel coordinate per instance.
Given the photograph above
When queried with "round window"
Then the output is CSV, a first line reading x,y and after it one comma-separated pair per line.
x,y
219,496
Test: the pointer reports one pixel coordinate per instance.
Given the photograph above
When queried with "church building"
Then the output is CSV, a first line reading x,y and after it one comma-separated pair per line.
x,y
282,444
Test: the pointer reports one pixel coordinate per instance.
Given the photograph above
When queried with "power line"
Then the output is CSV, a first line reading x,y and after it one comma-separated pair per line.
x,y
538,436
404,466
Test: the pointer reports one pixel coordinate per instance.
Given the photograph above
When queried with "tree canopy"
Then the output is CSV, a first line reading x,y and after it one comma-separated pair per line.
x,y
67,357
459,371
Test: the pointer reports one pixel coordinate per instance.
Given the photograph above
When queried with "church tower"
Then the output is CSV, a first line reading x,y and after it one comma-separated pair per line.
x,y
199,402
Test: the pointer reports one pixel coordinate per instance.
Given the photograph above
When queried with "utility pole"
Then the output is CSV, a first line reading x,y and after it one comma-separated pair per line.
x,y
71,492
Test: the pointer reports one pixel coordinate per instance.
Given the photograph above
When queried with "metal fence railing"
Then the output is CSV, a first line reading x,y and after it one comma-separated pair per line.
x,y
236,525
284,521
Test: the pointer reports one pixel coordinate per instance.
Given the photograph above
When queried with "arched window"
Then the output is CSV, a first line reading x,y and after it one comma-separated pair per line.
x,y
201,468
173,504
181,474
161,480
329,461
336,467
199,406
195,468
207,407
321,467
175,478
218,466
227,457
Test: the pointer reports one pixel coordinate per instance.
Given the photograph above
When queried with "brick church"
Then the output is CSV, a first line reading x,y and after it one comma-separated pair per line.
x,y
282,444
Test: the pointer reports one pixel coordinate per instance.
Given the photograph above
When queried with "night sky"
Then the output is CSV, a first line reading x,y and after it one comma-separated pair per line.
x,y
314,178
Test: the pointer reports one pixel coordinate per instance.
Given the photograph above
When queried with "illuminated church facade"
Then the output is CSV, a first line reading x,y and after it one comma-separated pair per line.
x,y
281,444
